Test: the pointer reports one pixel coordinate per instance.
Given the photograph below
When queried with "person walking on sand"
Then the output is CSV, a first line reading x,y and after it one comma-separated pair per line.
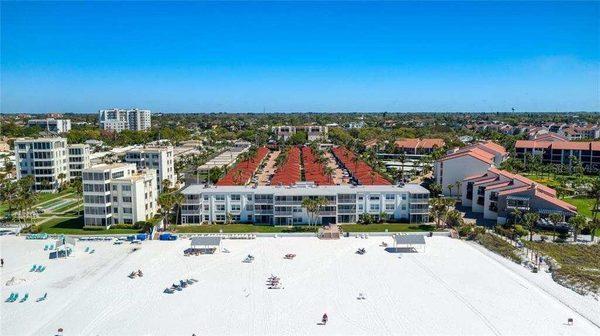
x,y
324,319
1,262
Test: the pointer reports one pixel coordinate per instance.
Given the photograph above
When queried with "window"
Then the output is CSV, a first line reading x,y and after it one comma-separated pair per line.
x,y
220,207
390,207
126,188
219,197
115,199
235,207
390,197
374,198
116,210
127,199
118,174
374,207
235,197
220,218
114,188
127,210
249,198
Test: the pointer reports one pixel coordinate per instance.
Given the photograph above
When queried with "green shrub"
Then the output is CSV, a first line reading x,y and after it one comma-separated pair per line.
x,y
520,231
123,226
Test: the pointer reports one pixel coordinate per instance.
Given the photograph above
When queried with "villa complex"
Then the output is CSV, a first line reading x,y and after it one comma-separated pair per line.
x,y
313,132
497,194
554,150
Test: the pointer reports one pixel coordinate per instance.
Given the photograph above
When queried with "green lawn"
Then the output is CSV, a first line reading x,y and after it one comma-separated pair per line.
x,y
65,207
388,227
579,263
238,228
584,205
74,226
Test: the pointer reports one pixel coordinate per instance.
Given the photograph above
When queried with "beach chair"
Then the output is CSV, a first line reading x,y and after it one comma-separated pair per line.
x,y
24,298
45,247
42,298
189,282
11,297
87,249
168,291
33,268
194,280
43,268
92,251
38,269
14,297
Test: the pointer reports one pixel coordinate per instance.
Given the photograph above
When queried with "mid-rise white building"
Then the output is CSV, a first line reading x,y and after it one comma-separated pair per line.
x,y
79,159
45,159
118,194
283,205
120,119
157,158
51,125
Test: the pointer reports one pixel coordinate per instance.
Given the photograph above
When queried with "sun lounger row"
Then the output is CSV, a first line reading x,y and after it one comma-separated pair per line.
x,y
37,268
37,236
179,287
49,247
15,296
96,238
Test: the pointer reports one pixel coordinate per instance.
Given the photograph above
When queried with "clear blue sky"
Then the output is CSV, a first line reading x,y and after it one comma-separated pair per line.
x,y
243,57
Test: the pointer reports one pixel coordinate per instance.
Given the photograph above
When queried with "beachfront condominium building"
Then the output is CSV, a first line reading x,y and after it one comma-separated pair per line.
x,y
45,159
453,168
79,159
51,125
158,158
282,205
497,194
121,119
118,194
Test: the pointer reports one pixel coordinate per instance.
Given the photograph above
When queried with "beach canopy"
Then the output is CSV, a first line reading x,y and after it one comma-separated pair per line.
x,y
206,241
409,239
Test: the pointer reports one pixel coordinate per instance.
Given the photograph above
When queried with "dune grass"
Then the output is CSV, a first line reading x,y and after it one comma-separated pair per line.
x,y
579,264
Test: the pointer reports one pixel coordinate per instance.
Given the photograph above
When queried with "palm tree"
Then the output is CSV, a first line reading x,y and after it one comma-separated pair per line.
x,y
529,221
593,225
578,222
435,189
439,209
166,204
178,200
555,217
311,208
450,186
458,185
328,171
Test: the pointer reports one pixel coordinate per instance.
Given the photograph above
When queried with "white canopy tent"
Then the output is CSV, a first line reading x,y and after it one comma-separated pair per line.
x,y
408,242
204,245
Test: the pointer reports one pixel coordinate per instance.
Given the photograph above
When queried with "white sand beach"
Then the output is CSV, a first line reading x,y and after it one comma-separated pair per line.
x,y
452,288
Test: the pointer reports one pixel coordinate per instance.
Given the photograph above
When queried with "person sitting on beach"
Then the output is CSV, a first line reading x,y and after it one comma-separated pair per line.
x,y
325,318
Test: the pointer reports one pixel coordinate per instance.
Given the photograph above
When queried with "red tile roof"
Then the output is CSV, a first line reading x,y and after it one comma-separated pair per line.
x,y
420,143
575,145
473,152
243,171
361,171
556,201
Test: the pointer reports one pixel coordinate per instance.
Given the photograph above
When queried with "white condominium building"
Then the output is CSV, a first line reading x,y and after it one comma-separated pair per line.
x,y
158,158
51,124
45,159
283,205
118,194
79,159
120,119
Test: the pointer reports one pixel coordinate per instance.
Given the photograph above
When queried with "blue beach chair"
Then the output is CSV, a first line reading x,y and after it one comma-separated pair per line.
x,y
24,298
33,268
42,298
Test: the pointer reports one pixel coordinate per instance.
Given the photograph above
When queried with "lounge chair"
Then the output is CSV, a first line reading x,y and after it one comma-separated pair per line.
x,y
45,247
87,249
189,282
194,280
43,268
12,297
92,251
24,298
33,268
42,298
39,268
168,291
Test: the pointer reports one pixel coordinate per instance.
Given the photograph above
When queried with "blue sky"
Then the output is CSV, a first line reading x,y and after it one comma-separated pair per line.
x,y
300,56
